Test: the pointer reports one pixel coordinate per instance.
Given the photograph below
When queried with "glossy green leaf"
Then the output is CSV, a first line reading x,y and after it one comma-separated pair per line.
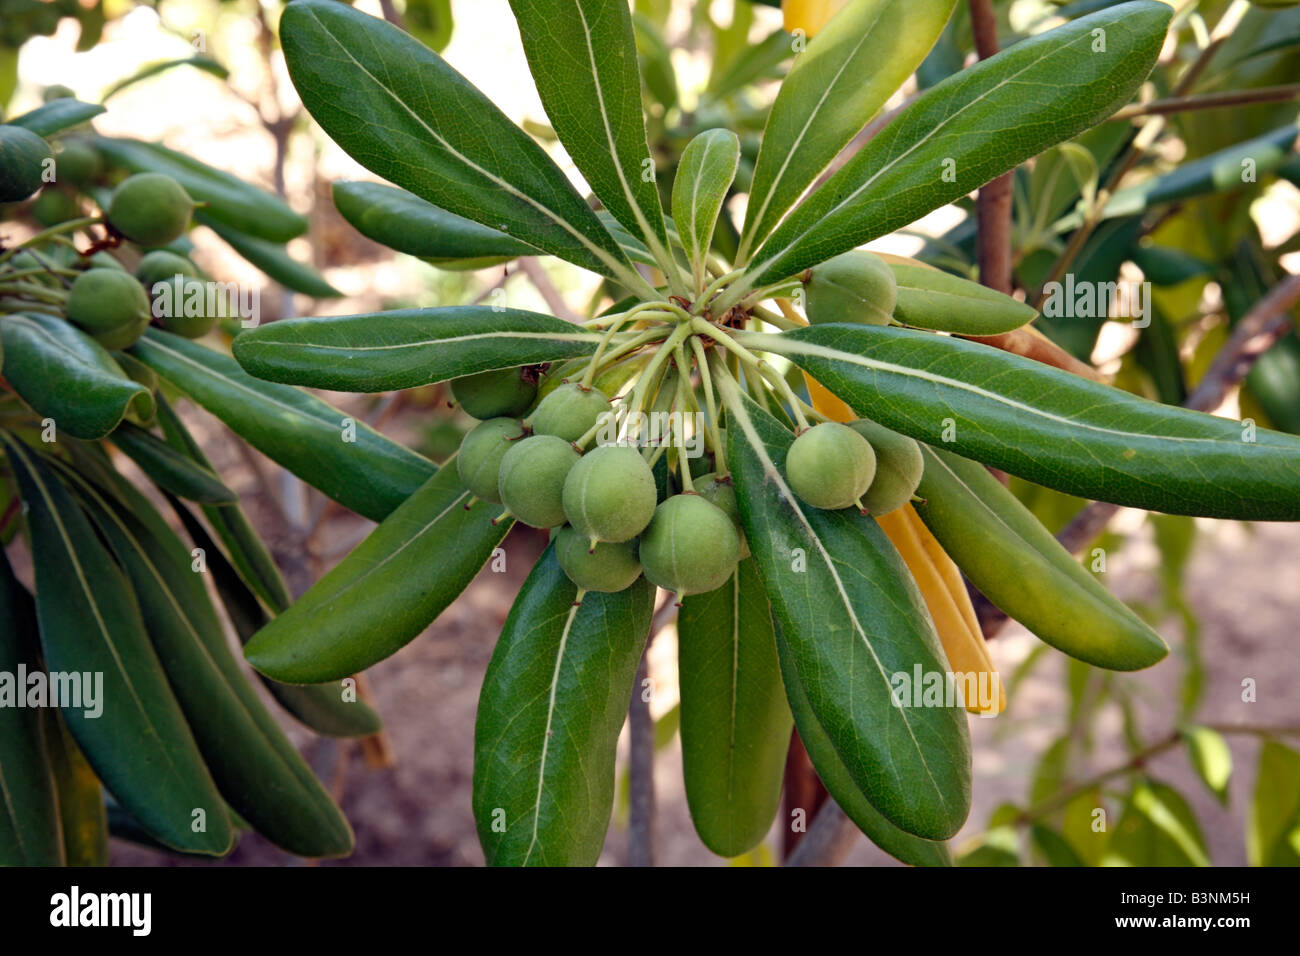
x,y
1273,824
332,708
254,765
369,474
837,84
273,259
82,813
704,174
930,299
554,699
67,376
387,590
1048,426
170,469
1021,567
90,622
56,116
248,554
403,113
406,223
852,628
582,54
735,723
1211,759
900,844
655,58
1158,828
30,833
1055,84
406,348
228,199
757,62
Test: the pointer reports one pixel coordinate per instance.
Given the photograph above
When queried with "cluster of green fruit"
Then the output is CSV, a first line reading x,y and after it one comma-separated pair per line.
x,y
95,291
610,524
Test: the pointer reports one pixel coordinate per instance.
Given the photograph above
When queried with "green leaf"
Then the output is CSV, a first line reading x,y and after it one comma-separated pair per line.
x,y
30,833
1054,847
852,625
735,722
398,109
1008,554
835,87
582,54
90,622
371,475
704,174
82,813
228,199
1053,84
1211,759
407,348
1218,172
273,259
1273,827
333,708
554,699
56,115
253,764
65,375
1158,828
386,591
1048,426
655,58
170,469
406,223
930,299
204,63
430,22
256,567
900,844
751,65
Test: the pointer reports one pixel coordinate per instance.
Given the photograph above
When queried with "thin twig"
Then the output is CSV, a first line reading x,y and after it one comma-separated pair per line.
x,y
827,841
1210,101
993,205
640,773
554,301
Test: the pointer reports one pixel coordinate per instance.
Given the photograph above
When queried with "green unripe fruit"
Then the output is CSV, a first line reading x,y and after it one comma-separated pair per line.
x,y
531,479
103,260
161,265
54,206
854,287
150,209
503,391
609,567
723,494
610,494
899,466
479,461
77,163
22,161
109,305
830,466
181,304
57,92
570,411
690,547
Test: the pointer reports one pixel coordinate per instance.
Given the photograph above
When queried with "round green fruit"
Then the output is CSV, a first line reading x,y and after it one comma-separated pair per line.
x,y
690,547
479,461
54,206
182,305
103,260
609,567
531,479
609,494
150,209
570,411
492,394
57,92
109,305
899,466
77,163
723,494
22,162
854,287
830,466
162,265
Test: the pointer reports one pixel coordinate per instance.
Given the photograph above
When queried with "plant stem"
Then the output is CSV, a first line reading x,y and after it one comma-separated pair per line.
x,y
1210,101
710,401
46,234
993,205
